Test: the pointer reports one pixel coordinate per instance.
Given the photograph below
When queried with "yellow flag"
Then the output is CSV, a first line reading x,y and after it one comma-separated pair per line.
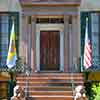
x,y
12,57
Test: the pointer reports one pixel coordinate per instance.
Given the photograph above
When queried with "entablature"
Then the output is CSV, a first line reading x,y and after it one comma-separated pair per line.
x,y
50,2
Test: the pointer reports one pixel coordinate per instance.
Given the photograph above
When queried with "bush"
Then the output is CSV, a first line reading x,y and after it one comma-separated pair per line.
x,y
95,91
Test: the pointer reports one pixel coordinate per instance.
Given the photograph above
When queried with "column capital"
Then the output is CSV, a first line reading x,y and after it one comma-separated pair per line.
x,y
33,18
66,17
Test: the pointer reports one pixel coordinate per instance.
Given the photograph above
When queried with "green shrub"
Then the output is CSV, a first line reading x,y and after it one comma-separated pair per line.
x,y
95,91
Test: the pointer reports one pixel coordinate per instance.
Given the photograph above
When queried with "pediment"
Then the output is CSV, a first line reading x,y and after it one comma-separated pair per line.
x,y
50,2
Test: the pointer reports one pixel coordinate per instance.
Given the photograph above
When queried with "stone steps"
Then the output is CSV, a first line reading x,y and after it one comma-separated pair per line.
x,y
50,86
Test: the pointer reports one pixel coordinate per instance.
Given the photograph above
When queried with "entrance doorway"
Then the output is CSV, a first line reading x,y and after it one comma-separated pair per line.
x,y
49,50
50,47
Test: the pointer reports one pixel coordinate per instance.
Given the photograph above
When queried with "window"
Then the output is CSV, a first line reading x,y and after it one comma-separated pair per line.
x,y
3,37
5,28
50,20
95,37
94,34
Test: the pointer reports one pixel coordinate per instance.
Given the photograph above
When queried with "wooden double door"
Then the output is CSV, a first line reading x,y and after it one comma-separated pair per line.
x,y
49,50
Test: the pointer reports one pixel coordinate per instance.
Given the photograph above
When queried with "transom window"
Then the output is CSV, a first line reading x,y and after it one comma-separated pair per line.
x,y
50,20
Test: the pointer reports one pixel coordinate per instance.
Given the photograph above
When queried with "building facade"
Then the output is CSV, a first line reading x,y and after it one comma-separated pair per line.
x,y
50,38
59,20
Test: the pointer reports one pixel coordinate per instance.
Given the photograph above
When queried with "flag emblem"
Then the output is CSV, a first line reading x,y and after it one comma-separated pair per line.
x,y
12,57
87,49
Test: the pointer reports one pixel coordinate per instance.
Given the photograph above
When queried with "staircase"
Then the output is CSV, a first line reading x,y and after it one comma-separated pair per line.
x,y
50,86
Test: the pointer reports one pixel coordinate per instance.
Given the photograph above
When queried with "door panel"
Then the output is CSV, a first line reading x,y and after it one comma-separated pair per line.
x,y
49,50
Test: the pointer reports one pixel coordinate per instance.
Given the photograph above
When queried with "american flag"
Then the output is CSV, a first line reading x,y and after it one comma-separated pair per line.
x,y
87,49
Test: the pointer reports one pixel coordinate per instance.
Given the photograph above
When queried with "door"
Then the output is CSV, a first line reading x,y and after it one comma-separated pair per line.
x,y
49,50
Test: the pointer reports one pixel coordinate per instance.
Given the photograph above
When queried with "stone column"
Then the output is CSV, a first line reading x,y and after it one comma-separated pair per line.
x,y
33,46
70,43
23,39
29,32
66,44
76,42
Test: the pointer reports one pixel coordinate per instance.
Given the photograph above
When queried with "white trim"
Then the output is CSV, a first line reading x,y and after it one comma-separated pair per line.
x,y
57,27
61,51
38,51
53,96
70,47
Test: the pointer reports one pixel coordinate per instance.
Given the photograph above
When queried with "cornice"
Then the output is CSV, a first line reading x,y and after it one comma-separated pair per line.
x,y
50,2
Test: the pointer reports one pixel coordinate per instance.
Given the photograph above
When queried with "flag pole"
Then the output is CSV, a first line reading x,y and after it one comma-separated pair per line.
x,y
87,48
13,18
82,63
11,73
12,57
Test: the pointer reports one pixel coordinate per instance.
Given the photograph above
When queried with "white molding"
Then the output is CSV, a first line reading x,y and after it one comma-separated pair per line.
x,y
38,51
58,27
70,47
61,51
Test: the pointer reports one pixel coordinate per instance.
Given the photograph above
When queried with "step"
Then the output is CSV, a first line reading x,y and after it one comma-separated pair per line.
x,y
52,98
52,74
49,88
51,93
61,83
48,79
51,77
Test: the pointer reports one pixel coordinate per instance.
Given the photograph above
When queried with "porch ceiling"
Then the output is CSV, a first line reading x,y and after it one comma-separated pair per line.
x,y
50,2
